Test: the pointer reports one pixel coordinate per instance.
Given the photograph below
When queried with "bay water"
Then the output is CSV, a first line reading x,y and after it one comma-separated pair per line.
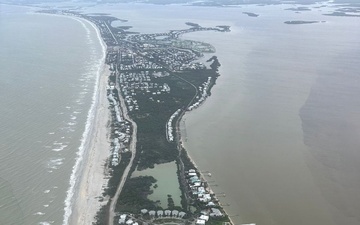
x,y
279,132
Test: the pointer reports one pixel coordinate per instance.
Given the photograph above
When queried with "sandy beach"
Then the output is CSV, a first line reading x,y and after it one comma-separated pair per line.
x,y
93,177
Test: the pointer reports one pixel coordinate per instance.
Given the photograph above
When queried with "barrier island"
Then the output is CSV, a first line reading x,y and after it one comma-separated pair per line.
x,y
154,79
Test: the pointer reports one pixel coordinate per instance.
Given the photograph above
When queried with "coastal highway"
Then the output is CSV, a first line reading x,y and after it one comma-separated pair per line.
x,y
133,153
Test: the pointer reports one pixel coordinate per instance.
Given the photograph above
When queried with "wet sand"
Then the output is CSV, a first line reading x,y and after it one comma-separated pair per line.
x,y
93,178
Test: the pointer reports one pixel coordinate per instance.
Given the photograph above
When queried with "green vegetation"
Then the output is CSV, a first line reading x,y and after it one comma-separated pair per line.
x,y
170,200
101,217
198,77
155,110
170,221
133,197
116,174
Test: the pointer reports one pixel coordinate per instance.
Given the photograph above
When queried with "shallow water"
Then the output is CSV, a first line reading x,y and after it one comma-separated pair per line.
x,y
166,181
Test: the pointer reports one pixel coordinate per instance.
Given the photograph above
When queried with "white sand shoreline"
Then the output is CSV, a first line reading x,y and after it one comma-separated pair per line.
x,y
91,176
92,180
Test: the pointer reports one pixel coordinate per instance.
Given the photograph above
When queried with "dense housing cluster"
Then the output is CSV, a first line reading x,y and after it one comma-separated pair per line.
x,y
200,191
121,128
142,82
203,89
169,126
129,61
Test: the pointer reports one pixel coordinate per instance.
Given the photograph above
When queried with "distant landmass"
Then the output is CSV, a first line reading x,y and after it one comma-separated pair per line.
x,y
299,9
341,14
251,14
297,22
215,3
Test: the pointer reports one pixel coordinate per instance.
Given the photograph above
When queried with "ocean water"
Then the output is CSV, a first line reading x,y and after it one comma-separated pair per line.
x,y
49,69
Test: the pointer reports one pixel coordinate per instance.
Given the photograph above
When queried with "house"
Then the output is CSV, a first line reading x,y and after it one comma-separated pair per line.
x,y
204,217
167,212
175,213
144,211
216,213
182,214
160,213
192,174
122,219
211,204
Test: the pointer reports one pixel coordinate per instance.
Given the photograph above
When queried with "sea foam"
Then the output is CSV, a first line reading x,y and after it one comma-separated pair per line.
x,y
88,128
55,163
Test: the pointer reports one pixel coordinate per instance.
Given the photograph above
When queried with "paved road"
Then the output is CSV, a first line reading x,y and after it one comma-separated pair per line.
x,y
133,153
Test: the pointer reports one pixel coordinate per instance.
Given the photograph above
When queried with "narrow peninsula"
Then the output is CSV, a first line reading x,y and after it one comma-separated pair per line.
x,y
154,79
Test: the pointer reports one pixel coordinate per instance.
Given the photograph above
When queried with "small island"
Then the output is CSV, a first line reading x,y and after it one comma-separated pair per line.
x,y
251,14
341,14
195,25
302,8
298,22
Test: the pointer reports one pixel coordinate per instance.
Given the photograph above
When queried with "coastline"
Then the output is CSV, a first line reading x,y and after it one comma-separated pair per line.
x,y
202,176
92,179
92,176
82,201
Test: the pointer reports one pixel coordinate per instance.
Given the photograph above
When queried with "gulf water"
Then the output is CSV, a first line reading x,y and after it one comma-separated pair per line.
x,y
49,68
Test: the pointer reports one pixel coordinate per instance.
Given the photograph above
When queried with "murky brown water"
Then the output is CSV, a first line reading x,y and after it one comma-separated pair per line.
x,y
280,131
